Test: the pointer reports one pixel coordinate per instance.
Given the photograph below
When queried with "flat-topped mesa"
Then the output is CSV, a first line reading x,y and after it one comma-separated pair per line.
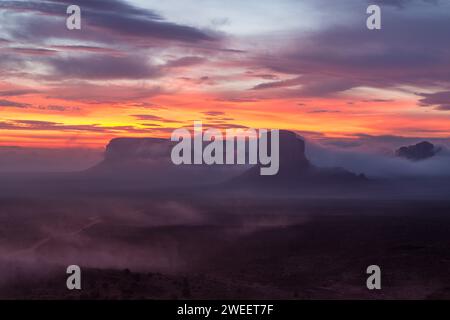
x,y
292,152
148,160
292,158
292,162
291,149
120,149
137,158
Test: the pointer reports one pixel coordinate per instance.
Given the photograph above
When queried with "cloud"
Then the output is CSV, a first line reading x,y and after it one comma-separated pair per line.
x,y
149,117
12,104
59,108
86,92
140,27
440,100
323,111
279,84
335,59
33,51
185,62
218,118
117,41
379,100
16,92
101,67
113,6
88,49
400,4
309,86
36,125
214,113
374,156
114,18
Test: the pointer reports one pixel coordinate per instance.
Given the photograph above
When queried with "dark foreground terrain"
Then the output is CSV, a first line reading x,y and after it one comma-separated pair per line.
x,y
150,246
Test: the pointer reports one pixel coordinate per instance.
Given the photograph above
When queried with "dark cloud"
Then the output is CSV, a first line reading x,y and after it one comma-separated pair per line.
x,y
33,51
43,7
312,86
185,62
110,31
440,100
323,111
116,18
237,99
86,92
103,67
132,26
148,105
59,108
112,6
16,92
265,76
279,84
149,117
338,58
36,123
88,49
218,125
379,100
217,118
12,104
151,125
214,113
400,4
205,80
56,126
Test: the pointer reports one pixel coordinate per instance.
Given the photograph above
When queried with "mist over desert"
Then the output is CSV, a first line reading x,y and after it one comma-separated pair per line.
x,y
308,233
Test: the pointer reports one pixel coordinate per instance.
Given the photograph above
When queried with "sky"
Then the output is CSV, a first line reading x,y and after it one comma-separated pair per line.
x,y
142,68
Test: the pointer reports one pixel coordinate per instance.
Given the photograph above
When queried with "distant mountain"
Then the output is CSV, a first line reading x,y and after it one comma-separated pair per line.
x,y
296,170
417,152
